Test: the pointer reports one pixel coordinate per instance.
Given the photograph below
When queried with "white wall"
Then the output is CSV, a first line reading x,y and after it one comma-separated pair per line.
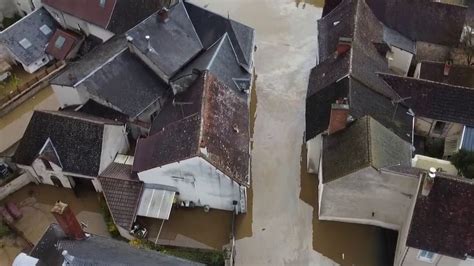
x,y
424,127
354,197
44,175
79,25
25,6
69,96
314,147
37,64
15,184
198,181
114,141
400,60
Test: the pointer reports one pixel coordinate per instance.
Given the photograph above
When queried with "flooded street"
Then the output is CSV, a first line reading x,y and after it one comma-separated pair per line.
x,y
281,226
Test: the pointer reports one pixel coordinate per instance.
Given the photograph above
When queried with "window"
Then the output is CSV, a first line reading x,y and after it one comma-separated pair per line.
x,y
47,165
59,42
439,127
45,29
102,3
426,256
25,43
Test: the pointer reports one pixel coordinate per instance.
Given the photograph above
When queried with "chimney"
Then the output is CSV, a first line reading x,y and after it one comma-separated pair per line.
x,y
163,15
343,46
428,182
447,67
67,220
339,116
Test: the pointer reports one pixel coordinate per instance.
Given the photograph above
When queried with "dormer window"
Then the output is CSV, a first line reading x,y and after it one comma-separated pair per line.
x,y
45,30
102,3
25,43
426,256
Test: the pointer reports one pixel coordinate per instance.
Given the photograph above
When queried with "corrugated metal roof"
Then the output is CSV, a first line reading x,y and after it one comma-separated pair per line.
x,y
156,203
468,139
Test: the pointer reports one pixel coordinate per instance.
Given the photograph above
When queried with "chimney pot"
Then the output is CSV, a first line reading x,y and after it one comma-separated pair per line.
x,y
428,182
67,220
163,15
339,116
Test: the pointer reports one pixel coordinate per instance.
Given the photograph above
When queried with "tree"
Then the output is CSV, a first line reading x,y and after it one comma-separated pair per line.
x,y
467,44
464,163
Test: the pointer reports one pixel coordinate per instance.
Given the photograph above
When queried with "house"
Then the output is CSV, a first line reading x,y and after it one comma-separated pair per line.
x,y
442,110
439,228
199,147
356,180
69,149
102,19
27,39
66,243
201,35
347,72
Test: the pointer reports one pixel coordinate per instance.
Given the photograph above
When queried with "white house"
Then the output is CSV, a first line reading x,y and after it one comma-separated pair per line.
x,y
198,147
66,149
26,40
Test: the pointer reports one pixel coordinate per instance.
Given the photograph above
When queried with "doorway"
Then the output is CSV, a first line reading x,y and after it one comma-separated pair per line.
x,y
56,181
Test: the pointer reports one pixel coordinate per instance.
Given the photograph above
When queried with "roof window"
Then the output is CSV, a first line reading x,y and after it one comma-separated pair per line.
x,y
45,29
25,43
59,42
102,3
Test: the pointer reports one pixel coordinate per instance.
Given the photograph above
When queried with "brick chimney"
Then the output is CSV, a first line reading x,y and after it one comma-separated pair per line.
x,y
447,67
163,15
339,116
343,46
67,220
428,182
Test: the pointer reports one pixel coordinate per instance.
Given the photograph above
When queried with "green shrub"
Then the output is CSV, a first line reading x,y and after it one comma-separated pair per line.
x,y
4,230
464,163
7,22
113,231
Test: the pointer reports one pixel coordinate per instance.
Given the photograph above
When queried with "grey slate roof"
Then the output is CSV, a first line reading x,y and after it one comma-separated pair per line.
x,y
96,250
76,71
122,191
459,75
174,43
362,144
29,28
396,39
435,100
442,222
127,84
211,27
76,137
127,14
422,20
203,117
220,60
354,19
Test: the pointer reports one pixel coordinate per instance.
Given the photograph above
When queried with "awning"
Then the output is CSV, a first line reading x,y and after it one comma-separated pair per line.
x,y
156,202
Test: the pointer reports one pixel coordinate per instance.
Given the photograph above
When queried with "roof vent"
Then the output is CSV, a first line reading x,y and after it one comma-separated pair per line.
x,y
148,44
428,182
129,39
163,15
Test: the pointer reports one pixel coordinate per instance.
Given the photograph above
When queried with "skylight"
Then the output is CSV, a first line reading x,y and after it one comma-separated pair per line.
x,y
102,3
45,29
59,42
25,43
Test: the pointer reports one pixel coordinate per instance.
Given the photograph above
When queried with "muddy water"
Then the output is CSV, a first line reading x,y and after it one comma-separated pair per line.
x,y
281,226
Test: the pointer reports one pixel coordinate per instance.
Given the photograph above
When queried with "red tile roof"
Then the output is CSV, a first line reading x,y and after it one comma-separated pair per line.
x,y
70,41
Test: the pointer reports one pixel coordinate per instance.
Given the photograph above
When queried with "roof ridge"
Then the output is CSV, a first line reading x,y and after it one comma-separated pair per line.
x,y
425,80
81,116
369,139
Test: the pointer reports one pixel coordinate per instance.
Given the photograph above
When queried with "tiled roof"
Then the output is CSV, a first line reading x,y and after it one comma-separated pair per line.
x,y
459,75
88,10
76,137
443,221
122,192
435,100
29,28
131,95
363,143
218,123
96,250
61,51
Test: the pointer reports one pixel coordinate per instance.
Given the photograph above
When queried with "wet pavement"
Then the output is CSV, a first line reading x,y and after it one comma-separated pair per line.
x,y
281,226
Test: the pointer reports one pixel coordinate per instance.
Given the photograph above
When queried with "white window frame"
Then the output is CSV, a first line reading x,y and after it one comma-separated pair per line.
x,y
420,257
